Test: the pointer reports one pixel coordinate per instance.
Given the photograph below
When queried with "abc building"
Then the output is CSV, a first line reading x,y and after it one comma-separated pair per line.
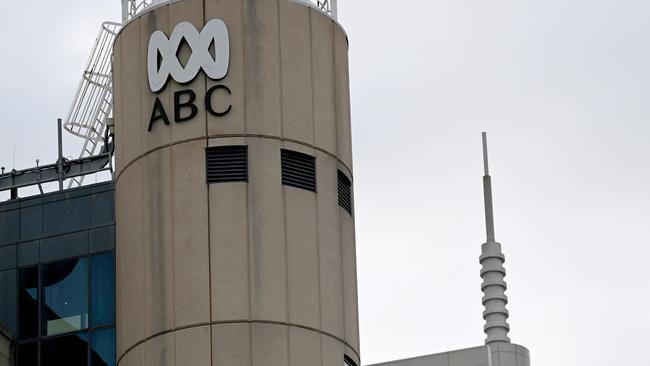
x,y
226,237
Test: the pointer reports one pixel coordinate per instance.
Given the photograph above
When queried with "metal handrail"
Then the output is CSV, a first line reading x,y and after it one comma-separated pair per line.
x,y
131,8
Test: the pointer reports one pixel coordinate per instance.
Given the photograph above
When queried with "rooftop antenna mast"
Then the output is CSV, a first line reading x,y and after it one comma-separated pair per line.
x,y
492,271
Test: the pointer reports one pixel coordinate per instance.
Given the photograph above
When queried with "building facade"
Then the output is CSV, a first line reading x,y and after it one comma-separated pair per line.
x,y
57,277
498,354
235,228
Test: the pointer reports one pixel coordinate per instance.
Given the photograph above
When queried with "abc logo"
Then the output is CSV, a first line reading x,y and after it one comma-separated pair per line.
x,y
162,61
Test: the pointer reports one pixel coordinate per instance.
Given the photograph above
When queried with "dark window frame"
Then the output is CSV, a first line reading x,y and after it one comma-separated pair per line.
x,y
88,331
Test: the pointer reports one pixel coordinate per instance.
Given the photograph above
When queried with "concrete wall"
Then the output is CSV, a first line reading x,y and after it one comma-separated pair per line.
x,y
6,348
501,354
236,274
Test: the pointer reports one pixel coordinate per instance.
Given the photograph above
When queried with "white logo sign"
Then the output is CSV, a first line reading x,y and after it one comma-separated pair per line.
x,y
215,68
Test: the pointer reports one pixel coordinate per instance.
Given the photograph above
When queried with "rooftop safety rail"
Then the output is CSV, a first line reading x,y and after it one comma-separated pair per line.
x,y
131,8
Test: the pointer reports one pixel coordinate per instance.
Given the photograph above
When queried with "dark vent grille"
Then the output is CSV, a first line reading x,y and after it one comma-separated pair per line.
x,y
226,164
299,170
348,361
345,192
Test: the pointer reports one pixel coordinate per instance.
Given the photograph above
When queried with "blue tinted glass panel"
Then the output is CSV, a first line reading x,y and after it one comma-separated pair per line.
x,y
28,253
102,347
103,210
67,215
28,303
31,223
8,257
64,246
103,288
70,350
65,296
28,354
9,226
102,239
8,316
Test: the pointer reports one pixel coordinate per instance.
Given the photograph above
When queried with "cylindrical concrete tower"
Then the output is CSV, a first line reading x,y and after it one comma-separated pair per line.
x,y
235,229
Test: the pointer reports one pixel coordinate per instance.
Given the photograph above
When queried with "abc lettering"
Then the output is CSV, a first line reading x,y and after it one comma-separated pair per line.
x,y
162,63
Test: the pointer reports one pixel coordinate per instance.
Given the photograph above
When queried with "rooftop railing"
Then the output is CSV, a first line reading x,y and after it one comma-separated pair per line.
x,y
130,8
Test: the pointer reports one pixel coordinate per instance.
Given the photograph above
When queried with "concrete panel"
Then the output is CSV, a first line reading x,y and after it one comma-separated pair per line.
x,y
191,244
508,354
297,106
131,254
230,260
270,345
160,351
302,257
193,346
266,235
117,103
135,357
225,141
471,356
160,134
189,11
229,251
332,351
262,63
343,127
158,242
322,48
329,246
440,359
349,261
231,344
131,124
230,11
504,359
304,347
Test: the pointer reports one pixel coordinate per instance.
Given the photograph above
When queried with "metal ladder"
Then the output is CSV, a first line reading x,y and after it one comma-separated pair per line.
x,y
93,100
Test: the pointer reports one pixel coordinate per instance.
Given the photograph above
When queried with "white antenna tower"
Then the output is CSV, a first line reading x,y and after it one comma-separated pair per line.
x,y
492,271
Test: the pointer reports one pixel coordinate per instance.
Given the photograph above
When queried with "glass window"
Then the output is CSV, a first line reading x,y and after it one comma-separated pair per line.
x,y
8,301
71,350
102,347
76,212
9,226
102,208
103,288
28,303
102,239
65,296
28,354
31,220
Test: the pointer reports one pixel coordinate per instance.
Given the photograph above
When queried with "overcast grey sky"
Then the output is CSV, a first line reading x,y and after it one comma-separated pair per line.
x,y
562,87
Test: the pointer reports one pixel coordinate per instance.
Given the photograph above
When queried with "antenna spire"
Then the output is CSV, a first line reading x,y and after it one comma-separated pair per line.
x,y
492,272
487,193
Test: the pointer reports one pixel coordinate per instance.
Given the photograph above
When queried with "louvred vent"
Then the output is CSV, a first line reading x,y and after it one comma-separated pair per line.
x,y
226,164
298,170
345,191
